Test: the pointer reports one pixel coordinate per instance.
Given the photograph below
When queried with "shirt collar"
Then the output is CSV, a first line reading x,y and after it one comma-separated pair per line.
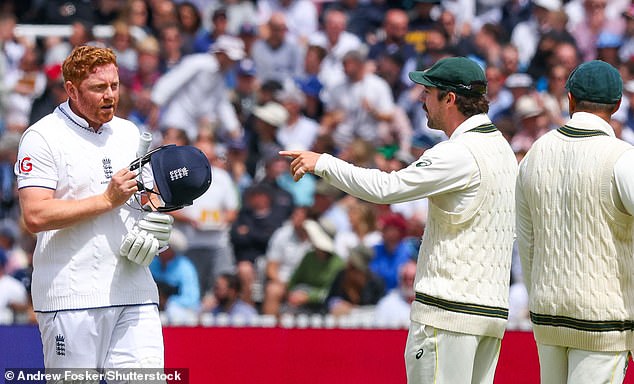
x,y
470,123
76,121
591,122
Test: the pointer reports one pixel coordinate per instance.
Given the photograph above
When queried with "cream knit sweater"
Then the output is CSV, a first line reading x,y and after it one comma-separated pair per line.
x,y
575,243
462,280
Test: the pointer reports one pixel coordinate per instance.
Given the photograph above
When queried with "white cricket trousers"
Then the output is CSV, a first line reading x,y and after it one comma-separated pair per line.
x,y
102,338
436,356
561,365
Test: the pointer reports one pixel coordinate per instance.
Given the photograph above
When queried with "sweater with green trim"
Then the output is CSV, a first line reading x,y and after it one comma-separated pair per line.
x,y
462,280
578,259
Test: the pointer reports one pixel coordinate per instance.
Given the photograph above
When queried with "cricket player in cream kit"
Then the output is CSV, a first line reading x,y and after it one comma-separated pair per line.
x,y
575,234
94,297
462,280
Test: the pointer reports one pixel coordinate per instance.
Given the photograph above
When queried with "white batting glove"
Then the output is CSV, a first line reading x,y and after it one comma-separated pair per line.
x,y
159,225
140,247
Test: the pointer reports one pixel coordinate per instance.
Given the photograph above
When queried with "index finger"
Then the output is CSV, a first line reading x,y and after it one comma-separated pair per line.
x,y
126,173
292,154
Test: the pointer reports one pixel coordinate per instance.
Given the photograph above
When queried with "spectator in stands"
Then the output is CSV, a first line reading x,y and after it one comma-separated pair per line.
x,y
25,85
207,224
626,51
395,26
549,49
309,81
356,106
263,144
393,251
227,294
257,220
363,229
447,22
277,170
567,54
389,67
365,18
53,95
177,280
356,285
436,48
11,48
9,203
107,11
275,56
421,20
394,308
248,33
301,16
555,95
628,124
608,44
55,12
193,95
500,98
509,60
329,205
288,245
236,165
274,168
171,42
244,95
586,31
20,244
175,136
11,241
518,84
298,130
13,295
136,14
148,71
533,122
313,277
488,43
337,41
123,44
205,38
361,153
527,34
163,13
239,12
190,23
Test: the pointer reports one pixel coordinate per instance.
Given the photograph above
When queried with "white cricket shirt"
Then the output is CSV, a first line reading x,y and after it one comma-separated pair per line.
x,y
79,266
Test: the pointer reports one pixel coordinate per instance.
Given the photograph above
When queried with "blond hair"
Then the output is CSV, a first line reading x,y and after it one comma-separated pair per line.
x,y
83,60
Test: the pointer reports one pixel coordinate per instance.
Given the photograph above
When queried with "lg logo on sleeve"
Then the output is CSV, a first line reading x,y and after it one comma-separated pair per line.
x,y
25,165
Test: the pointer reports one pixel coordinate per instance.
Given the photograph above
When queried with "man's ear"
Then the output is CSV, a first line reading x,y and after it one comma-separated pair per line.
x,y
450,98
71,90
617,106
572,104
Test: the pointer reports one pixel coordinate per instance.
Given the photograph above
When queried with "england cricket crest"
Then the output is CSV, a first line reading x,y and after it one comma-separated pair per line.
x,y
107,167
60,345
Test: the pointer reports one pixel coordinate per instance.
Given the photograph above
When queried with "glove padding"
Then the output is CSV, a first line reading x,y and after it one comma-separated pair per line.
x,y
159,225
140,247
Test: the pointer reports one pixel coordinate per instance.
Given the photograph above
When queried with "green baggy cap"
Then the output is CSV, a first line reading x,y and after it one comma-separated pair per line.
x,y
596,81
457,74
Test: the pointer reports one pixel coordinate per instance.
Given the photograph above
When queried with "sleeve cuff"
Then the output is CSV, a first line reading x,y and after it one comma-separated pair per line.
x,y
322,164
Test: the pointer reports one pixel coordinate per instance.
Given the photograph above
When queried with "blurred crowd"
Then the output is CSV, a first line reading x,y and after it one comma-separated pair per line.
x,y
244,79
